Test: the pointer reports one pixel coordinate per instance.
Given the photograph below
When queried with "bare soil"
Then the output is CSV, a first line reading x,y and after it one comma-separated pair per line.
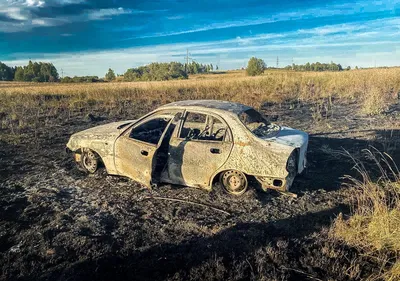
x,y
57,223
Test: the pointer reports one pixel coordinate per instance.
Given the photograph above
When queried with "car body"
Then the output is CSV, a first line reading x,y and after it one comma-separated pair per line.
x,y
194,143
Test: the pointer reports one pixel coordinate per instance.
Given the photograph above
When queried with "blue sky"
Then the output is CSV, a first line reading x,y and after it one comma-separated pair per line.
x,y
86,37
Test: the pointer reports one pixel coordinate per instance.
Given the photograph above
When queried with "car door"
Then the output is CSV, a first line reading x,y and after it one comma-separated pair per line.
x,y
135,150
199,148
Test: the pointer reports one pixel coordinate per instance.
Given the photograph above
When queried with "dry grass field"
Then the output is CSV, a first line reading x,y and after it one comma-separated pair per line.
x,y
31,104
59,224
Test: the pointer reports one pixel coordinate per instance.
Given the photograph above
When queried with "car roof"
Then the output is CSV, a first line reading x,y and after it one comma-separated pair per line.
x,y
216,104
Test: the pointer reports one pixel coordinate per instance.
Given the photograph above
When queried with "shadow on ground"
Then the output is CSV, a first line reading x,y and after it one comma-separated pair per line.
x,y
163,261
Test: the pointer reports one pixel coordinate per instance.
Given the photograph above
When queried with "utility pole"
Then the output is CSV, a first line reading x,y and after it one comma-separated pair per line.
x,y
62,73
187,58
292,64
277,62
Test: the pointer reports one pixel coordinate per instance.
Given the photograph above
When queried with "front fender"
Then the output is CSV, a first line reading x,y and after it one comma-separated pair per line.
x,y
102,145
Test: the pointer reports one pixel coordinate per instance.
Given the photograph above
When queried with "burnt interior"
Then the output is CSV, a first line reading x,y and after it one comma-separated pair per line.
x,y
150,131
161,156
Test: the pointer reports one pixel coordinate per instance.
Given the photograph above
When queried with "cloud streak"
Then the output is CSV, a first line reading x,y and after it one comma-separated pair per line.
x,y
103,14
330,11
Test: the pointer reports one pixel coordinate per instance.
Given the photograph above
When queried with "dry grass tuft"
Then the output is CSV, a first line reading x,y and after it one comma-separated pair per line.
x,y
374,226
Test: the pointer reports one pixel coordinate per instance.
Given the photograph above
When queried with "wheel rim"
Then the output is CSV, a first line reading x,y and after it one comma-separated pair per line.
x,y
89,161
234,182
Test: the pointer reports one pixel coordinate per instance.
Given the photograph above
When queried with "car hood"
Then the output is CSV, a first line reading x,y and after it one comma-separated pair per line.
x,y
97,135
110,129
289,136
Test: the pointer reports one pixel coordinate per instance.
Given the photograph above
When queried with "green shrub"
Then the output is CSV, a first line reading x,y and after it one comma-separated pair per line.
x,y
255,67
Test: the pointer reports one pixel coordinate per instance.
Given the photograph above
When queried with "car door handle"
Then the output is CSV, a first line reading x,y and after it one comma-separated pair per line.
x,y
215,150
144,152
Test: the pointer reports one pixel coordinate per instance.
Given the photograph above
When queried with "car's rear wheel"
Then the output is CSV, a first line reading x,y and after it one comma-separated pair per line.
x,y
90,161
234,182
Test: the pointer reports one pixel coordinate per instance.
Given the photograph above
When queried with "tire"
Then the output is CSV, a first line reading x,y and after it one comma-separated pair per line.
x,y
233,182
89,161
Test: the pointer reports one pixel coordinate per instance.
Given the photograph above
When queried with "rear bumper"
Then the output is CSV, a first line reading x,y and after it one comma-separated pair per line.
x,y
302,161
275,183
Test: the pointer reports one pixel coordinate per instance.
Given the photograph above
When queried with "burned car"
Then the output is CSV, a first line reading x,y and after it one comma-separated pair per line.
x,y
196,143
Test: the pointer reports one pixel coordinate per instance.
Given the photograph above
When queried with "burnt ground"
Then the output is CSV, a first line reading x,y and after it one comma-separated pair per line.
x,y
57,223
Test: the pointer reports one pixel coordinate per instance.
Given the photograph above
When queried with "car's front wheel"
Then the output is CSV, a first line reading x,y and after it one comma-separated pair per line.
x,y
234,182
90,161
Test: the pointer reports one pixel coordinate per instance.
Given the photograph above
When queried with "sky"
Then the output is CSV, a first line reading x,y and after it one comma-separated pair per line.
x,y
86,37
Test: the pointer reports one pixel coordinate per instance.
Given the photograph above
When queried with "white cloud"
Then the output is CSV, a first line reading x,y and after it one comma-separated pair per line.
x,y
103,14
353,27
177,17
15,13
24,18
39,22
35,3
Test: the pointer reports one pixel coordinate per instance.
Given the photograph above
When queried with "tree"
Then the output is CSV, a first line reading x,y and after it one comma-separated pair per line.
x,y
255,66
110,76
19,74
176,71
6,72
29,72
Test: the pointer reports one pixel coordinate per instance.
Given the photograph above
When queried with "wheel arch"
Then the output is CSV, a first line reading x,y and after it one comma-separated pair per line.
x,y
82,150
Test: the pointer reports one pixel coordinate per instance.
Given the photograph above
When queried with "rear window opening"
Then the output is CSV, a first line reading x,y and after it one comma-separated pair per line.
x,y
256,123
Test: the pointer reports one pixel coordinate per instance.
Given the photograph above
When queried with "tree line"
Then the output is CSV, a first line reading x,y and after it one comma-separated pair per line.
x,y
33,72
46,72
164,71
81,79
156,72
257,66
317,67
197,68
